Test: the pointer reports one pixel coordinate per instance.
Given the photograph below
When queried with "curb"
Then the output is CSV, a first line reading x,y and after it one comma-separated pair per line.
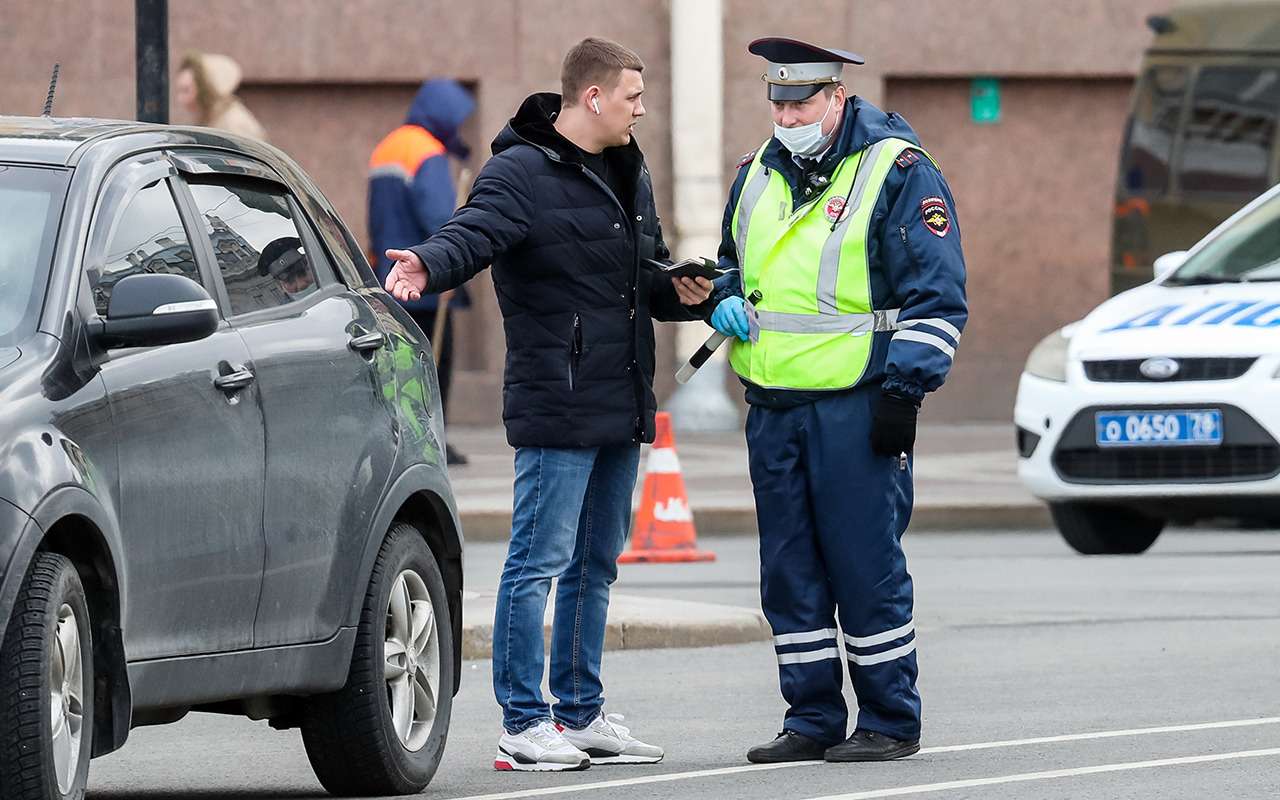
x,y
638,624
495,526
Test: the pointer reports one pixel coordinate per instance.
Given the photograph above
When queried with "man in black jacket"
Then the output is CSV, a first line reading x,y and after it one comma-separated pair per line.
x,y
564,212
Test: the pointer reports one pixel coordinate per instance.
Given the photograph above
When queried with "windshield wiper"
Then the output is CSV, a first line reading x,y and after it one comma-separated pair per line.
x,y
1201,280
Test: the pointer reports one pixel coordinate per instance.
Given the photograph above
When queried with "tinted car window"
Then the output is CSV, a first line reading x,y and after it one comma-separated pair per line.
x,y
148,238
30,204
255,239
1231,130
1158,104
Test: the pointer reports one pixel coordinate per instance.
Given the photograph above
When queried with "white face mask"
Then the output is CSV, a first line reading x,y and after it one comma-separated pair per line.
x,y
804,140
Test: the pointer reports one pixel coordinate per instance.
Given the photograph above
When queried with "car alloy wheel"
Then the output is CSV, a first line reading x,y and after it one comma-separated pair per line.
x,y
66,697
412,654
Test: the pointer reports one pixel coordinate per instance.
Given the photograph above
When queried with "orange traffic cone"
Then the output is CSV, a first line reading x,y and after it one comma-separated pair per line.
x,y
663,530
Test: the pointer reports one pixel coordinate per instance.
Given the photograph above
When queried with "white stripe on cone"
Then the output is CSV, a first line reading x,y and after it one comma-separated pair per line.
x,y
675,509
662,461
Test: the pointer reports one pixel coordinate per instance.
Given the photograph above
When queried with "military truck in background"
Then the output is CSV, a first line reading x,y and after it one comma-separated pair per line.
x,y
1202,134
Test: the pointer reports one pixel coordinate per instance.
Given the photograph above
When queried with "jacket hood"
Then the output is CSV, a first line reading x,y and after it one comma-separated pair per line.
x,y
441,106
864,125
221,74
534,124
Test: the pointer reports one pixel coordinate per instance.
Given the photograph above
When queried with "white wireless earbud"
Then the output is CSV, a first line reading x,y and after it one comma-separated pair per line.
x,y
595,103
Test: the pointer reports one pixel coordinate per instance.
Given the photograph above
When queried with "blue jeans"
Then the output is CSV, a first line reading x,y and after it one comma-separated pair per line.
x,y
570,519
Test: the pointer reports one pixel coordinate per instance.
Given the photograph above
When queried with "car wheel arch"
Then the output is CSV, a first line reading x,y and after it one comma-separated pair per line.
x,y
421,497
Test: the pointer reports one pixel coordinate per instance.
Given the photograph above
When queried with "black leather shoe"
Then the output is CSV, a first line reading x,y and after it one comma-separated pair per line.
x,y
871,746
453,458
789,746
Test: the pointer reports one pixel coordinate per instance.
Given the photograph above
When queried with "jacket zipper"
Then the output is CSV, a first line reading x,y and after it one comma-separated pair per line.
x,y
915,262
635,283
576,355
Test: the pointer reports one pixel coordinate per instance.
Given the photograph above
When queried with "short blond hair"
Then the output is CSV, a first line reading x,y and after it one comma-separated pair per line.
x,y
594,61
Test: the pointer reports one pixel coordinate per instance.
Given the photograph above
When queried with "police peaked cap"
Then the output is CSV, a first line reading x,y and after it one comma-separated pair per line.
x,y
797,70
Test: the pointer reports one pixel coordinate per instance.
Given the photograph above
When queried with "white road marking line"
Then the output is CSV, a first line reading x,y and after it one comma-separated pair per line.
x,y
1051,774
1080,737
711,773
670,776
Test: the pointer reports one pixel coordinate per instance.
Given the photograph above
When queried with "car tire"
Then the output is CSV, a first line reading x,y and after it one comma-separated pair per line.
x,y
46,686
357,738
1100,529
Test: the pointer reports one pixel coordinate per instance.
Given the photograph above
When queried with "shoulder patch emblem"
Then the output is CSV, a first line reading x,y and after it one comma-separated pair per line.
x,y
745,160
936,217
907,158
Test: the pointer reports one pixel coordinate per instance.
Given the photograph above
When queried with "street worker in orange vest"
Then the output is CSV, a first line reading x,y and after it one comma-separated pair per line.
x,y
411,195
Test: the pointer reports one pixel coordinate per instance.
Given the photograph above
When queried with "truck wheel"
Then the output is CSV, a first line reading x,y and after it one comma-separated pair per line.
x,y
1100,529
46,686
384,732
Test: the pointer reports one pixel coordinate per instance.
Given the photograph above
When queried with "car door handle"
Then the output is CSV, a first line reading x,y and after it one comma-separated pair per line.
x,y
367,343
234,381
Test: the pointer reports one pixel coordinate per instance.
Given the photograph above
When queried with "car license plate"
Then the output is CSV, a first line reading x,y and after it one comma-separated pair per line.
x,y
1163,428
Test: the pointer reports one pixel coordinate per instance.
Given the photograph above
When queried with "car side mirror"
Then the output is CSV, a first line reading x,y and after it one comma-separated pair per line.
x,y
156,309
1168,263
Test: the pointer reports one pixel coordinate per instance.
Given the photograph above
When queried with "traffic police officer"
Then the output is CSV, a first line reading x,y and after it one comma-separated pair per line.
x,y
846,300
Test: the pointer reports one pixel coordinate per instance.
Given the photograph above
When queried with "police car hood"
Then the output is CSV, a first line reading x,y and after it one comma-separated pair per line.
x,y
1226,319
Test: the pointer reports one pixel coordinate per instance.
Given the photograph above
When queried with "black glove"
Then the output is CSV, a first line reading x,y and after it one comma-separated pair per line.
x,y
893,427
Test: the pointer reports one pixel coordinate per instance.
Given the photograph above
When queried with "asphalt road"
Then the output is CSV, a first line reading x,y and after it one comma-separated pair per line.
x,y
1044,675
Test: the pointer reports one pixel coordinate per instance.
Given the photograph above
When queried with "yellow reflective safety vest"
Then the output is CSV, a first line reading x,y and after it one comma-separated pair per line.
x,y
812,322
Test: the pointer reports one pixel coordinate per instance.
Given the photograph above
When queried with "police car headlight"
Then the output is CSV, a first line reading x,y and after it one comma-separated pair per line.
x,y
1048,359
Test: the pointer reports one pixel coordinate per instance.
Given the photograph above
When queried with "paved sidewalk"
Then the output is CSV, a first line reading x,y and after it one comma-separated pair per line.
x,y
965,479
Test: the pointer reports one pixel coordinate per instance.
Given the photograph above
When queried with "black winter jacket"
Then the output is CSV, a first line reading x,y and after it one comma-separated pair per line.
x,y
575,293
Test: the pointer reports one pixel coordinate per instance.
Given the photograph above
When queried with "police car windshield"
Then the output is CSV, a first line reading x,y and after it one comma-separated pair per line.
x,y
30,205
1247,250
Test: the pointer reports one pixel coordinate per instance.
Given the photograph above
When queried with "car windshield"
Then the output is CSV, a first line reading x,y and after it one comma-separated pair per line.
x,y
1247,250
30,205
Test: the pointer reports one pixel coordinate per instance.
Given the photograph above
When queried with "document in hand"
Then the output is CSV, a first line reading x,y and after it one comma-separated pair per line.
x,y
689,268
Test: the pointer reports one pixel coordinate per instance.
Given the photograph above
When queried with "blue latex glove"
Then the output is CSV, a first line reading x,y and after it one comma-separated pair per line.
x,y
730,318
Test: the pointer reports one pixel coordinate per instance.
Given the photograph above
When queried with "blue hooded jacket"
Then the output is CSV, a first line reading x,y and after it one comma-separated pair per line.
x,y
915,266
411,191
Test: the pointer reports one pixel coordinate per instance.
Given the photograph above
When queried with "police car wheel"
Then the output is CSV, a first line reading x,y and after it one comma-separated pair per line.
x,y
46,686
384,732
1102,529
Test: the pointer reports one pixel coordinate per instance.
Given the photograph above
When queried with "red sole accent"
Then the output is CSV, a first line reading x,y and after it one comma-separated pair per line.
x,y
503,766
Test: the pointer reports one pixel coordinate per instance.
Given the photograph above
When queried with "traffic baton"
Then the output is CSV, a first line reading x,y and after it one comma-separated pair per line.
x,y
699,358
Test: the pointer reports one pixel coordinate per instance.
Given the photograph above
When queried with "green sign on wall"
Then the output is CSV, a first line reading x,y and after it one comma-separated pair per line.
x,y
984,100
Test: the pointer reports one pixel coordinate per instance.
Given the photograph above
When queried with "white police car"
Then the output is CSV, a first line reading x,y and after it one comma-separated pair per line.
x,y
1164,402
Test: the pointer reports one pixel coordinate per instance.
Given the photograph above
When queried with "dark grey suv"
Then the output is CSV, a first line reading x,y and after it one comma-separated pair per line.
x,y
221,473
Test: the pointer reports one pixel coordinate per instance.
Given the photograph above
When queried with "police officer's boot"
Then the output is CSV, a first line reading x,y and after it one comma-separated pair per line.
x,y
871,746
789,746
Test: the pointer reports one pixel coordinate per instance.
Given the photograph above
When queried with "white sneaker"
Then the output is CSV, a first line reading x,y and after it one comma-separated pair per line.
x,y
540,748
606,741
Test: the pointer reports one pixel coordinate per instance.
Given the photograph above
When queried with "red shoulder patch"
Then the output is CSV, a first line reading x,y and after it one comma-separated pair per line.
x,y
745,160
908,158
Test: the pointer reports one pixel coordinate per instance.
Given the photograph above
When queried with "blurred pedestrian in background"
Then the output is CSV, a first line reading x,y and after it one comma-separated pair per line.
x,y
205,88
412,194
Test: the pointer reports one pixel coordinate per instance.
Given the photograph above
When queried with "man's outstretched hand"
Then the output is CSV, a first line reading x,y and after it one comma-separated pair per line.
x,y
407,279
